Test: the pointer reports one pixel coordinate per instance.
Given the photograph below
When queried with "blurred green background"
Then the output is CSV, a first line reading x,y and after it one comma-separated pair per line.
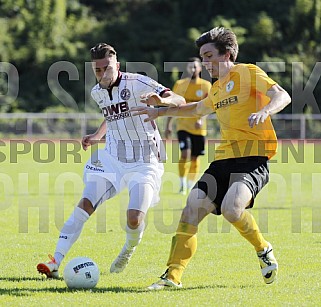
x,y
45,68
36,34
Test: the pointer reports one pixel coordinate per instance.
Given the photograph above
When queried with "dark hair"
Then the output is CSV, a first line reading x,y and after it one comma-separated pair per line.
x,y
195,59
223,39
100,50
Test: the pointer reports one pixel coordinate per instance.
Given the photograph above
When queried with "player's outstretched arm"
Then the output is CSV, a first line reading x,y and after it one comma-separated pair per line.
x,y
279,100
193,109
168,98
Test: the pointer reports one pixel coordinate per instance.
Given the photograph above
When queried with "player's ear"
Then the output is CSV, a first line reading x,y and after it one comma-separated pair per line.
x,y
118,65
227,55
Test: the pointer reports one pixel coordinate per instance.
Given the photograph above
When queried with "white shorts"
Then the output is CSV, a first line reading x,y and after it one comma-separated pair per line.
x,y
105,177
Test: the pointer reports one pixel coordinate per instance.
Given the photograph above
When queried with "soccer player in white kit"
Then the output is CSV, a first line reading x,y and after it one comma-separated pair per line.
x,y
132,157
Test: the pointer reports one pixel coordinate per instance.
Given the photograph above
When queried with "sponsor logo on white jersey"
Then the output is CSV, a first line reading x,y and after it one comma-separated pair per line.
x,y
116,111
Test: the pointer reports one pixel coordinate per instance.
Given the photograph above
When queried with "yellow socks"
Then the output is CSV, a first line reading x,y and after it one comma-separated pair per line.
x,y
182,167
184,245
194,169
248,228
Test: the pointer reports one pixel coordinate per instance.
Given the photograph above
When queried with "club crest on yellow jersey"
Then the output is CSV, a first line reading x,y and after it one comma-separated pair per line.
x,y
229,86
199,93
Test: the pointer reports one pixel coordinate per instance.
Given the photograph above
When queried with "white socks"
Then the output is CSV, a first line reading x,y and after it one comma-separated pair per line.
x,y
183,181
58,258
73,227
134,236
70,233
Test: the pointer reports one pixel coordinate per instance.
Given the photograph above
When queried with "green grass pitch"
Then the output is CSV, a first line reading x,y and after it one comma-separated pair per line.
x,y
39,189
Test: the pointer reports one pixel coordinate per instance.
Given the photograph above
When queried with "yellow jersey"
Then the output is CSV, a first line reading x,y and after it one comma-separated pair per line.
x,y
242,92
191,91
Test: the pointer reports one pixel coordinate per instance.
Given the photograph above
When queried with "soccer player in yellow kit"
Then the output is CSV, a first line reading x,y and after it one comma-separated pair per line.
x,y
191,131
243,98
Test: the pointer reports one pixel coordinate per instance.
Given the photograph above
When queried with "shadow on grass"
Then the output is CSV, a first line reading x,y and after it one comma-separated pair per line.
x,y
19,279
21,291
253,209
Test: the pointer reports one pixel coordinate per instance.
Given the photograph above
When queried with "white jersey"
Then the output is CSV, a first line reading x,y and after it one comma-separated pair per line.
x,y
129,138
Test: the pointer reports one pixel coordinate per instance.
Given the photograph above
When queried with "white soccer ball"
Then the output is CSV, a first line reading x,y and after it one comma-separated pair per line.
x,y
81,273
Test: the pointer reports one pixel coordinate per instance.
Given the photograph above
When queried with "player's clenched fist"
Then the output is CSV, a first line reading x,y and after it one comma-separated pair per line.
x,y
89,140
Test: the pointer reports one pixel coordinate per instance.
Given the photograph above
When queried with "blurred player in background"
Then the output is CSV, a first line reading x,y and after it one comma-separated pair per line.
x,y
243,98
132,157
191,132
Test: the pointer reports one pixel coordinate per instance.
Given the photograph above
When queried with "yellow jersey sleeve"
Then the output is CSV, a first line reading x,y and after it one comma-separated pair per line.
x,y
259,79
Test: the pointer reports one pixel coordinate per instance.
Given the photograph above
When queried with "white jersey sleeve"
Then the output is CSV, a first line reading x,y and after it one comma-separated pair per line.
x,y
152,85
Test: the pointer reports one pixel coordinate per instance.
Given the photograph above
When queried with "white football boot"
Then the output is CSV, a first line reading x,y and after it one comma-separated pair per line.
x,y
122,260
164,283
50,269
268,263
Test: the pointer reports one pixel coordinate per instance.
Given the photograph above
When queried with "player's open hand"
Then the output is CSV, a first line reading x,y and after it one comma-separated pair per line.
x,y
256,118
151,113
151,99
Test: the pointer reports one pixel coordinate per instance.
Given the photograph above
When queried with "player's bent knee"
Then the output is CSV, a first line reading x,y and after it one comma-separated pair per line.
x,y
86,205
193,213
195,196
232,214
133,223
198,206
134,218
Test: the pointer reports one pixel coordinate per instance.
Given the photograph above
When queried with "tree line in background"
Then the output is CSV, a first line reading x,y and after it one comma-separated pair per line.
x,y
37,34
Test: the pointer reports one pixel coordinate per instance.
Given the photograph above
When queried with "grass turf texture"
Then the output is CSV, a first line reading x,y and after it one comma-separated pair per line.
x,y
36,198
